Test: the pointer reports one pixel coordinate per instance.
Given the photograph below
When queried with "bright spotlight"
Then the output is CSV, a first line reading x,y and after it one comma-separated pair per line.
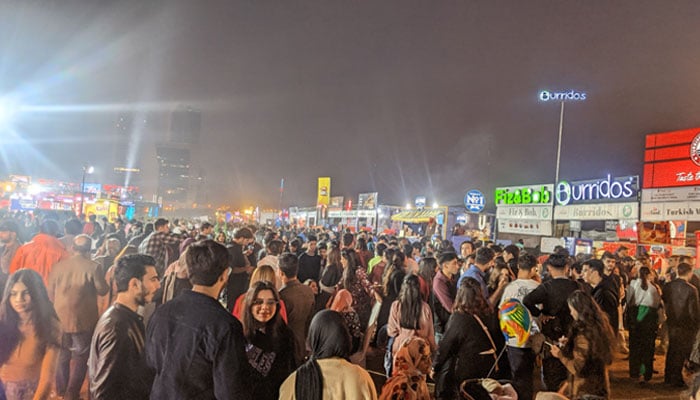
x,y
436,205
408,206
90,169
7,111
34,189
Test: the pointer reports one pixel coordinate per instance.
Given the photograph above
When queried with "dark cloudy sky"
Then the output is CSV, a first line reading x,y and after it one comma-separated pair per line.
x,y
401,97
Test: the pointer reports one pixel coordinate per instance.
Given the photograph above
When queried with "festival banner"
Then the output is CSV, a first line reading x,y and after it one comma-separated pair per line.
x,y
367,201
324,191
336,202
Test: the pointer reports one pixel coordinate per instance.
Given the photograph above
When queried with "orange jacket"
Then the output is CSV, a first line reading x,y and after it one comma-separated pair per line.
x,y
40,255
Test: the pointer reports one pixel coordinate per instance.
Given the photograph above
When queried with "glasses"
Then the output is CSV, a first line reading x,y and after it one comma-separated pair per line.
x,y
270,302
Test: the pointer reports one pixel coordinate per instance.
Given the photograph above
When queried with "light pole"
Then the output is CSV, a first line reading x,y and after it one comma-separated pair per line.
x,y
561,129
562,97
87,169
571,95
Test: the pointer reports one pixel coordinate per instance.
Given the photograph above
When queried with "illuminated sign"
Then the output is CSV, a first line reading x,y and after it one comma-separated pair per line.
x,y
672,159
546,95
474,201
606,190
526,195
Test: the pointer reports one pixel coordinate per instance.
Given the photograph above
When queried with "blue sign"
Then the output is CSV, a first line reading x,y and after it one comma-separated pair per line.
x,y
420,201
474,201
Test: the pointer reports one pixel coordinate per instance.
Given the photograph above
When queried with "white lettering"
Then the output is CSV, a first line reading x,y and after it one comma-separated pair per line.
x,y
596,190
546,95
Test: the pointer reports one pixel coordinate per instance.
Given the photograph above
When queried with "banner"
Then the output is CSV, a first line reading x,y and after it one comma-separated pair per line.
x,y
597,212
324,191
691,193
540,213
367,201
525,227
688,211
654,232
336,202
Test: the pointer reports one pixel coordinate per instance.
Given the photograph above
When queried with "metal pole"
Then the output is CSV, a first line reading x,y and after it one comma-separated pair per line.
x,y
561,128
556,173
281,192
82,197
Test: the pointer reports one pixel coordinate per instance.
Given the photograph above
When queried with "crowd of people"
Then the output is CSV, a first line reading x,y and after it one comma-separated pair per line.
x,y
187,310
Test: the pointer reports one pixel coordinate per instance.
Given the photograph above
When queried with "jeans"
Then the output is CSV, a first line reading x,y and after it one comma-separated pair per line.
x,y
522,365
72,364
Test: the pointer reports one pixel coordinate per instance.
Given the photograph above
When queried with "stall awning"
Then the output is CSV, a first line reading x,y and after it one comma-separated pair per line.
x,y
416,216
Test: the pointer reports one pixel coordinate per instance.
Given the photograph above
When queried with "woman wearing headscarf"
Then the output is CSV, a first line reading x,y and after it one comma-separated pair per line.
x,y
411,367
328,374
342,303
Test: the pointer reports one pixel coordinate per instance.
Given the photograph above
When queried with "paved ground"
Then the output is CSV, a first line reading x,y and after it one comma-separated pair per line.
x,y
622,386
625,388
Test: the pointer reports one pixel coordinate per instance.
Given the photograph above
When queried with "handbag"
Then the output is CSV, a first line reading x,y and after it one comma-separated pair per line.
x,y
494,351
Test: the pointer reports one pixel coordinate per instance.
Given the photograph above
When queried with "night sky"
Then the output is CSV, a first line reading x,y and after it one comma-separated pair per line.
x,y
401,97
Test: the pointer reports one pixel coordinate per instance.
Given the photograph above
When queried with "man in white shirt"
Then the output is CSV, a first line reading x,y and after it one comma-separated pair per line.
x,y
522,359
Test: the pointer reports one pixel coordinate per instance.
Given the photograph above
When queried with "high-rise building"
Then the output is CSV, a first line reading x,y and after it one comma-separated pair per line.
x,y
173,172
126,148
185,125
177,181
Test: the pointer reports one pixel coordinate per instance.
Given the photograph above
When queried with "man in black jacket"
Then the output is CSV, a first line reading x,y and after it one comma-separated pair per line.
x,y
683,313
241,268
195,346
603,291
556,318
117,364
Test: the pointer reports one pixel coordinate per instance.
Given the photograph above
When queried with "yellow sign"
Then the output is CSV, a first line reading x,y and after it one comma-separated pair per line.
x,y
324,191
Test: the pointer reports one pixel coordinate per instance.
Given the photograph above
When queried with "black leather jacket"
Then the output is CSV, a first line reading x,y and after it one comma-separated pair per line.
x,y
681,304
117,365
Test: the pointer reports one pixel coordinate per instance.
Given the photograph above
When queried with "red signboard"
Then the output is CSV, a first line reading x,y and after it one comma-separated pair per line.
x,y
672,159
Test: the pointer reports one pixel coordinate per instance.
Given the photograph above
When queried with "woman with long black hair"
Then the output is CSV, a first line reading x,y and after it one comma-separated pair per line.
x,y
355,281
391,284
586,351
427,269
410,316
470,346
328,374
29,337
643,301
269,342
330,278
